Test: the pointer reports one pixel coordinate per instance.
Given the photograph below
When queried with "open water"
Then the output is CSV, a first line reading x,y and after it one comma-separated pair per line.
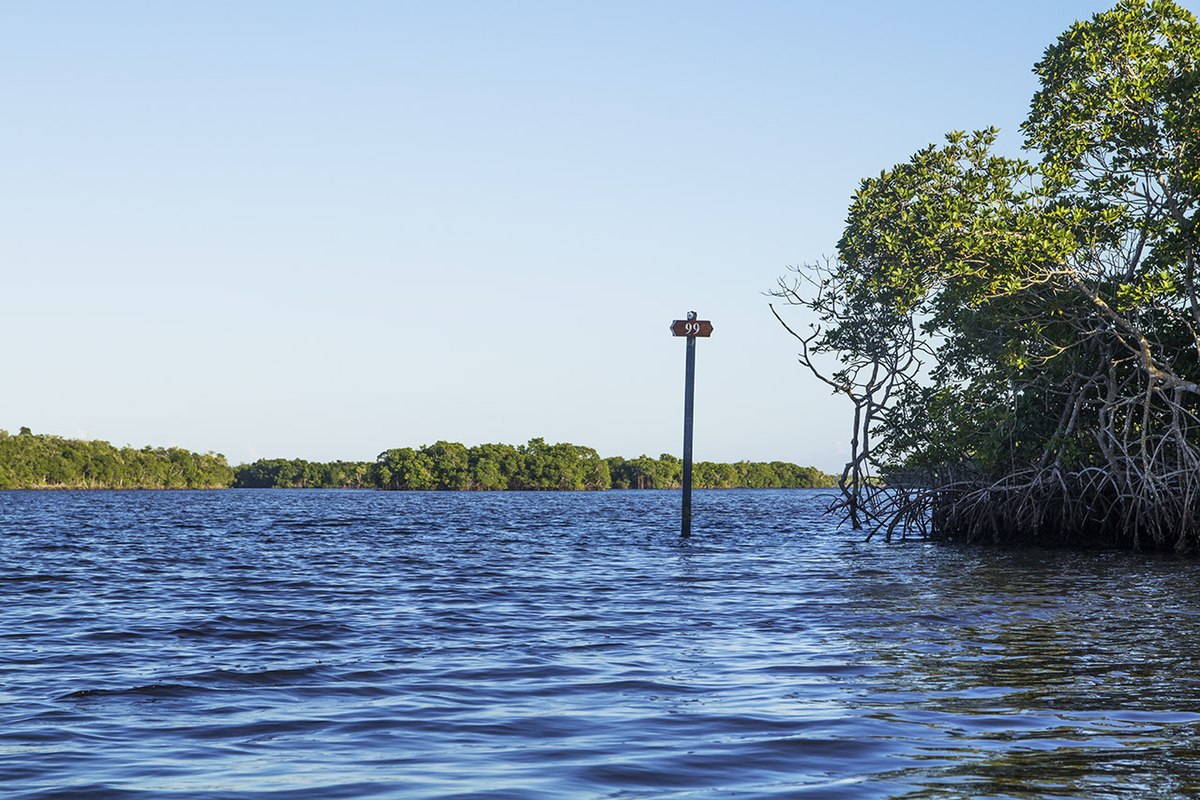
x,y
320,644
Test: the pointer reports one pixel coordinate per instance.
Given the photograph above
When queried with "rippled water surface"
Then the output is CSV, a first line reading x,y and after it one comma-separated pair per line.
x,y
294,644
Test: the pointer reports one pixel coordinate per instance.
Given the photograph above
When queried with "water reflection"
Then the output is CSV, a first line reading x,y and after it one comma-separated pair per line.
x,y
1037,674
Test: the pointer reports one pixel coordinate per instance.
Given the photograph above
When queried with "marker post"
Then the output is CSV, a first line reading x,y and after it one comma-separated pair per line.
x,y
691,328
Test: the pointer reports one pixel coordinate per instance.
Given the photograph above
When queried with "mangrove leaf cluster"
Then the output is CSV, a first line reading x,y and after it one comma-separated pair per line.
x,y
1020,339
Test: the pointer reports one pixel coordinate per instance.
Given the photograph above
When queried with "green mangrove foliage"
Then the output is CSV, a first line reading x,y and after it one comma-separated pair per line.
x,y
296,473
666,472
536,466
52,462
1020,339
29,461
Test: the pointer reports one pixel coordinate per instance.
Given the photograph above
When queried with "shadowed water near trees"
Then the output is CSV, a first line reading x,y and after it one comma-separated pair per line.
x,y
29,461
1020,339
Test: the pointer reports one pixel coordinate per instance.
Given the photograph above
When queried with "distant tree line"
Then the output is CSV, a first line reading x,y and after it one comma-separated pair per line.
x,y
536,466
29,461
666,472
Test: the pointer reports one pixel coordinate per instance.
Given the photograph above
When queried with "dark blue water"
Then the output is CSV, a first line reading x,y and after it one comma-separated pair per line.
x,y
292,644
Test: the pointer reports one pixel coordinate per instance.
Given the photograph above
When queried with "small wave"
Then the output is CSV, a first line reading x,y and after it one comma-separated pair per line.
x,y
7,581
260,677
151,691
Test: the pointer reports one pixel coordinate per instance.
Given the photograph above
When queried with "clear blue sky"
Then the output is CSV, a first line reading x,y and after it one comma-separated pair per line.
x,y
323,229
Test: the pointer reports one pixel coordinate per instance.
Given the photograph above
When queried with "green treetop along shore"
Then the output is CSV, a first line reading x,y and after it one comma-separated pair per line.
x,y
29,461
1020,339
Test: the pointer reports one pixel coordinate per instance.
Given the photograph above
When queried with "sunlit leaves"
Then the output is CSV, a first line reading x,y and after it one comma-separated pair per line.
x,y
1049,292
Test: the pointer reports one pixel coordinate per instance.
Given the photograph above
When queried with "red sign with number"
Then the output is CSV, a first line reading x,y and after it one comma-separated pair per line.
x,y
691,327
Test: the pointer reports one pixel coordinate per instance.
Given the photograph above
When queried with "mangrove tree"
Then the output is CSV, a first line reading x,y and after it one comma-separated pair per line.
x,y
1019,338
